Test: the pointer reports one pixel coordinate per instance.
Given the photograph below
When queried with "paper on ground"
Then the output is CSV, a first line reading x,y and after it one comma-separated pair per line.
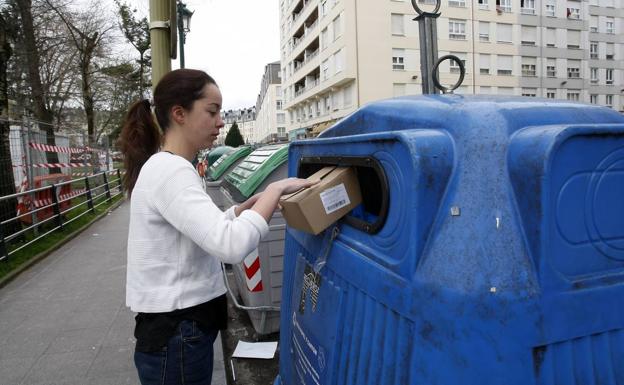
x,y
265,350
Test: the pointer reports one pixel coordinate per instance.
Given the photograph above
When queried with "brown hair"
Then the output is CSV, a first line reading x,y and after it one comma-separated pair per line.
x,y
140,136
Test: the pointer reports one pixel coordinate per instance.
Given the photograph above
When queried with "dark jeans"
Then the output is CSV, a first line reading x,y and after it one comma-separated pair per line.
x,y
186,360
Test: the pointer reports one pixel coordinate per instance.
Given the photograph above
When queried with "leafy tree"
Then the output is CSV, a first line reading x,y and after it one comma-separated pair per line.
x,y
137,33
234,137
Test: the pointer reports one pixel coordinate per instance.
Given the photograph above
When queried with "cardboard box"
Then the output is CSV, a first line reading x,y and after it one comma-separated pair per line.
x,y
316,208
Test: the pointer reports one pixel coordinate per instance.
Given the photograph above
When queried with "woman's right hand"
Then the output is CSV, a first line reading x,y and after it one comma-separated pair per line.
x,y
291,185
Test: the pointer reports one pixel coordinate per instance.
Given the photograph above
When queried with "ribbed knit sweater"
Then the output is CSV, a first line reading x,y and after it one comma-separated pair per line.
x,y
178,236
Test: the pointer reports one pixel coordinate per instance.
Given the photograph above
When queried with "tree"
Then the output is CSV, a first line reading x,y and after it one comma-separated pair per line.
x,y
7,183
38,95
137,33
234,137
88,32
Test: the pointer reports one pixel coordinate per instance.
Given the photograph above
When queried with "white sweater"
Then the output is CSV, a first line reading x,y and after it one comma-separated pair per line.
x,y
178,236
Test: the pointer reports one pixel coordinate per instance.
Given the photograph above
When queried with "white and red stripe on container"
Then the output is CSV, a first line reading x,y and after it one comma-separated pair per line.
x,y
253,273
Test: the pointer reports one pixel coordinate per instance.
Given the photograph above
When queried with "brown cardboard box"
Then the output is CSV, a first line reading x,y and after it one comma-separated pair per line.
x,y
316,208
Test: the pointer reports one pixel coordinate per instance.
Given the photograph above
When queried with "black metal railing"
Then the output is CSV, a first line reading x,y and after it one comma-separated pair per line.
x,y
98,189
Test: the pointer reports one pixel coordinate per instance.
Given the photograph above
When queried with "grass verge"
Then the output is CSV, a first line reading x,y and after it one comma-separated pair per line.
x,y
41,248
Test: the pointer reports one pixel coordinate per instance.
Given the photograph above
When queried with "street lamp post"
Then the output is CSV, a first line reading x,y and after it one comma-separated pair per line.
x,y
184,25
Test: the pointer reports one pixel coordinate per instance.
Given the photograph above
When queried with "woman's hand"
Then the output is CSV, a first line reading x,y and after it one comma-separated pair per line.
x,y
291,185
267,203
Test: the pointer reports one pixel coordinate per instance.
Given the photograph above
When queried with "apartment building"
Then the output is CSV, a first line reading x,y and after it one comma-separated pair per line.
x,y
245,119
270,123
337,55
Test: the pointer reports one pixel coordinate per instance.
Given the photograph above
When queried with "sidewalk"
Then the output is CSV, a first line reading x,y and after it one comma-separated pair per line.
x,y
64,321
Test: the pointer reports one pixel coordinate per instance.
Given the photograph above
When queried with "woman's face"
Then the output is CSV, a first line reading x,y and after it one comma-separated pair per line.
x,y
203,120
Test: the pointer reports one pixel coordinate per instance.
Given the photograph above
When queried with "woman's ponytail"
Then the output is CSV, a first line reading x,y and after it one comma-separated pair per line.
x,y
140,138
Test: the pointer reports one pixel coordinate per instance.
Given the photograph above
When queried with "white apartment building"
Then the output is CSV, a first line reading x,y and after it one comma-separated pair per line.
x,y
337,55
270,123
245,120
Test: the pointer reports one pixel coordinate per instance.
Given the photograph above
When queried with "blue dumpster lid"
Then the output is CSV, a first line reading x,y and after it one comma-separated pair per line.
x,y
452,112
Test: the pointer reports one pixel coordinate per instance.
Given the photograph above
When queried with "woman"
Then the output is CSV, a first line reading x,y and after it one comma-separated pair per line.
x,y
178,236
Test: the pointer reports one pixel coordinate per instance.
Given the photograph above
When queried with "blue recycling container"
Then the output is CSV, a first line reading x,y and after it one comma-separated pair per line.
x,y
489,248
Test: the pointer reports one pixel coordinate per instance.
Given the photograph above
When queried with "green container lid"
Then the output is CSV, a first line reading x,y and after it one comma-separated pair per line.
x,y
226,161
251,172
216,153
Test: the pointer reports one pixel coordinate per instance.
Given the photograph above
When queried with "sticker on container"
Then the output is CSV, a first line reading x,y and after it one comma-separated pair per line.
x,y
335,198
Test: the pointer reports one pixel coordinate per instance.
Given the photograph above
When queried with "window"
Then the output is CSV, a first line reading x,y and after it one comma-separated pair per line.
x,y
551,37
483,4
609,100
505,90
574,69
573,13
503,5
593,75
325,69
593,99
527,7
278,91
328,103
281,118
457,3
593,50
337,26
529,65
398,24
398,59
610,51
551,93
324,38
610,23
336,96
609,76
530,92
278,105
484,64
574,38
550,8
551,68
324,8
398,89
457,29
504,65
574,95
593,24
485,90
454,67
347,98
503,33
339,60
528,35
484,31
281,131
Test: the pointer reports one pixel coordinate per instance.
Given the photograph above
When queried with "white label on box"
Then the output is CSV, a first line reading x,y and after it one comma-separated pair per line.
x,y
335,198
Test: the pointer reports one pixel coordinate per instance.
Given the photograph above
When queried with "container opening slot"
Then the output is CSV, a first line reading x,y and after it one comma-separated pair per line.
x,y
371,215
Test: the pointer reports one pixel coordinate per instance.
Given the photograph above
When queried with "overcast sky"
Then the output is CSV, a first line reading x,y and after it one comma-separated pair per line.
x,y
232,40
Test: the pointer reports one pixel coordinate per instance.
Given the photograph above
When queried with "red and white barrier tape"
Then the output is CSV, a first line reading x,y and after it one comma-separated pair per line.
x,y
48,201
63,150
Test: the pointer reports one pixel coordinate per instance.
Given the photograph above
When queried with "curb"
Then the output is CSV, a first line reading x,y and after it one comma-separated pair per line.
x,y
39,257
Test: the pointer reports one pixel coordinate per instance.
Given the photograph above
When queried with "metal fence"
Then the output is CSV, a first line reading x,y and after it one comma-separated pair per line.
x,y
30,150
43,210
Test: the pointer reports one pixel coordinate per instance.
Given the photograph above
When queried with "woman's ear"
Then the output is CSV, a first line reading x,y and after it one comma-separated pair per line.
x,y
178,114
